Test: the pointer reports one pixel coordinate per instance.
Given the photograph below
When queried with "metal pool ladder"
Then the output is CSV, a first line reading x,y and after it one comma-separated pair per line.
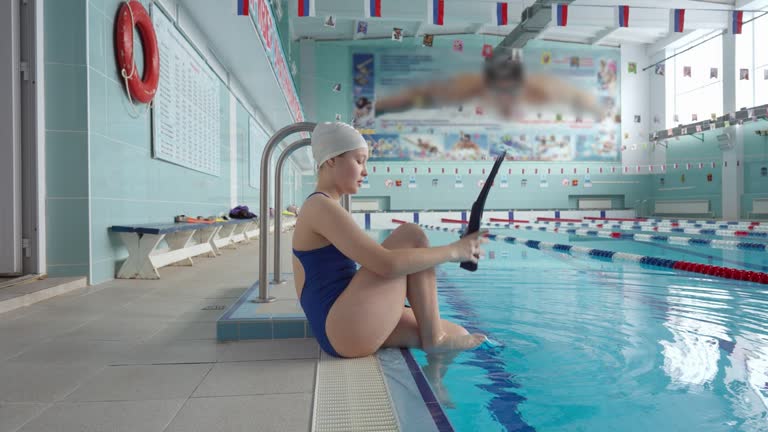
x,y
266,157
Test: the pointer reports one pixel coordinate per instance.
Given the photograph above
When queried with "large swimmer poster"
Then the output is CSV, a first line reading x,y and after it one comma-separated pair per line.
x,y
390,77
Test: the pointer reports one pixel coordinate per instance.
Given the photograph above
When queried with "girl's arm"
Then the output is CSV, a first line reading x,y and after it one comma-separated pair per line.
x,y
331,221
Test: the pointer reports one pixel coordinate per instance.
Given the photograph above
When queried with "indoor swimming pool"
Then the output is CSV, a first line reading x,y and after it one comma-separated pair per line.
x,y
593,345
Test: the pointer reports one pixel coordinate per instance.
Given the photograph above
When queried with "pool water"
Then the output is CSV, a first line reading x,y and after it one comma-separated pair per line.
x,y
590,345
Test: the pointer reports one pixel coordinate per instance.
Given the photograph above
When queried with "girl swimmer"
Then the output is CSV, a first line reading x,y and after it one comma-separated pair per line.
x,y
355,312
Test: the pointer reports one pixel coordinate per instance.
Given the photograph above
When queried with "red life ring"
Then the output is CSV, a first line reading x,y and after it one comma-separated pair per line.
x,y
133,13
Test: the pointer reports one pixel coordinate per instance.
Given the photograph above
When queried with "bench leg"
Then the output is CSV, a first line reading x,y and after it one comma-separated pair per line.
x,y
223,238
139,264
239,233
180,240
207,236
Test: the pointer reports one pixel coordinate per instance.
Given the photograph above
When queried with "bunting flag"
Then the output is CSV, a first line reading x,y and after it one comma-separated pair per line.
x,y
242,7
623,16
306,8
663,168
502,13
372,8
562,15
738,18
436,11
676,165
688,166
679,20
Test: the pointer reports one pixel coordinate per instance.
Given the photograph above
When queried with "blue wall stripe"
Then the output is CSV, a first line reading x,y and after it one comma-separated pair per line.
x,y
511,215
415,217
367,221
463,215
602,213
557,214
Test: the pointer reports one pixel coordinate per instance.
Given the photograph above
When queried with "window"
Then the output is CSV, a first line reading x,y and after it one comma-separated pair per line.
x,y
697,88
745,92
752,86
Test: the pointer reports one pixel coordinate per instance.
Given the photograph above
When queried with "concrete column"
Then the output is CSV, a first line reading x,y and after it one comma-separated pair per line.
x,y
733,173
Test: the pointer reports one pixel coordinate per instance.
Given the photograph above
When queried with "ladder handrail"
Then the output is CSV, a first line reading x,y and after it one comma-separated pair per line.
x,y
266,157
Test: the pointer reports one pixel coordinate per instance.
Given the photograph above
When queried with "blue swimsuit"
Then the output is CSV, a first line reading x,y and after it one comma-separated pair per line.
x,y
327,272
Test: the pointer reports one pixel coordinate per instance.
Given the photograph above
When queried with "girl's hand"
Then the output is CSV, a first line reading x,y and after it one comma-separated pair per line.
x,y
468,247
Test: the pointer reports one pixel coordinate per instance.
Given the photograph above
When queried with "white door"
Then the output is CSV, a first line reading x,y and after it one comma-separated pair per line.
x,y
10,142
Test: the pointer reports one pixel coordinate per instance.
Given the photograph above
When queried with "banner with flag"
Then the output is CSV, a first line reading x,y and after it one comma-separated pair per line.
x,y
678,20
306,8
243,7
372,8
562,15
502,13
623,16
436,12
738,21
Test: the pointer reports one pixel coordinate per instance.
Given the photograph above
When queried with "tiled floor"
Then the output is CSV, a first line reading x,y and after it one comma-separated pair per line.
x,y
142,356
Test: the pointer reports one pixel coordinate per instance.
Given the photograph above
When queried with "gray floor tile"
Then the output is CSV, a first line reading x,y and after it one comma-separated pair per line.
x,y
184,351
260,377
143,382
110,329
185,330
131,416
14,415
264,413
276,349
207,316
36,327
21,382
73,352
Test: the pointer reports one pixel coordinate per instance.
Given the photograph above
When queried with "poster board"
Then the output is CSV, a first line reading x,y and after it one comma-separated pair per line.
x,y
186,113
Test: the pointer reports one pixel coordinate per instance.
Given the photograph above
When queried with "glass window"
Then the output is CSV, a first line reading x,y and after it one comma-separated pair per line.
x,y
760,80
697,86
745,70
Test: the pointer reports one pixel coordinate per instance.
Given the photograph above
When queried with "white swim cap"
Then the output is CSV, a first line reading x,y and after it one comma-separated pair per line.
x,y
332,139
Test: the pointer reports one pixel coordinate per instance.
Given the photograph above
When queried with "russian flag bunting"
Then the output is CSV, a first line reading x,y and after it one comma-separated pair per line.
x,y
678,19
242,7
562,15
372,8
738,18
306,8
502,13
623,16
436,12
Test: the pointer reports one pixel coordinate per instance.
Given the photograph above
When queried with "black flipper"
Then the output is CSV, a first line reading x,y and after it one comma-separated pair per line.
x,y
478,206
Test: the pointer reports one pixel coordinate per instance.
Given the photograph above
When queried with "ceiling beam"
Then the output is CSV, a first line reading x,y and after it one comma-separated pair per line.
x,y
672,38
419,29
602,35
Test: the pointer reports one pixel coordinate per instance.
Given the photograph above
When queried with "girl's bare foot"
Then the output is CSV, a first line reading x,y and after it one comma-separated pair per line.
x,y
448,343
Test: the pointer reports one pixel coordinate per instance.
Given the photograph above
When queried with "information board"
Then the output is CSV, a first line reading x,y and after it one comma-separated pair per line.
x,y
186,116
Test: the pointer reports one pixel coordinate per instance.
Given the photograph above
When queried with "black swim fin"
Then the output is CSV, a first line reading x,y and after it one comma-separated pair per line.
x,y
479,206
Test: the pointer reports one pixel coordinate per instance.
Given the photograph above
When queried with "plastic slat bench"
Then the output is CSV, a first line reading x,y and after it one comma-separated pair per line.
x,y
232,232
185,240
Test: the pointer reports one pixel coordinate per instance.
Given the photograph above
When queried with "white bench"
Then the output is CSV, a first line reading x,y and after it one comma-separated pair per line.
x,y
682,207
759,207
184,240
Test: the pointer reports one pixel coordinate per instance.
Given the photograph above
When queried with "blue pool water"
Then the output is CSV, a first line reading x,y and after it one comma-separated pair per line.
x,y
590,345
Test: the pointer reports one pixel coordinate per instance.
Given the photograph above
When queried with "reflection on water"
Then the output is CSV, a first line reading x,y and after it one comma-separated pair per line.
x,y
597,346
